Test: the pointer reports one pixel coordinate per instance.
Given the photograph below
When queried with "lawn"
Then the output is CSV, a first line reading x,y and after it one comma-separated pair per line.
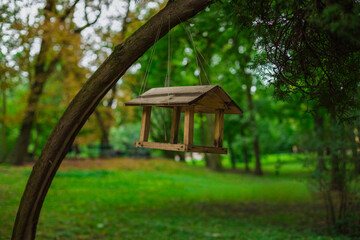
x,y
161,199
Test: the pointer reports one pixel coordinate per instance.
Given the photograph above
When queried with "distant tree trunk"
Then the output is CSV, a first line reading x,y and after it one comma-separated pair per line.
x,y
213,161
232,153
319,128
204,136
104,141
105,128
354,148
3,127
337,175
245,152
85,102
246,158
258,170
20,151
36,140
42,72
44,67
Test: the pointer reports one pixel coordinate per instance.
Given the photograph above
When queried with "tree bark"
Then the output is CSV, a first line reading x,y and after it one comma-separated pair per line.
x,y
85,102
258,170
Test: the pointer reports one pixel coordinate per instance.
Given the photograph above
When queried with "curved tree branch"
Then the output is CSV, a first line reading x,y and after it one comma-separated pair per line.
x,y
83,105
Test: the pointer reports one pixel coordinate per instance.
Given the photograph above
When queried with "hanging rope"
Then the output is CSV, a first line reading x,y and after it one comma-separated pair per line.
x,y
168,75
197,54
148,67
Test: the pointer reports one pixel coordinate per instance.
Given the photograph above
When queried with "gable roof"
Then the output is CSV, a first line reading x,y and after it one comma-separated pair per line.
x,y
205,98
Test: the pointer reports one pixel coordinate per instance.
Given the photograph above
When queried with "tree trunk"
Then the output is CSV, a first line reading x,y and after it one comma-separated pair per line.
x,y
213,161
105,128
246,158
3,127
85,102
354,148
42,72
258,170
36,140
337,173
319,128
232,153
104,141
20,151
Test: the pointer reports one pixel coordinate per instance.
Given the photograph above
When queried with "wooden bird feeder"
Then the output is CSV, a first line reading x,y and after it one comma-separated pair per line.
x,y
188,100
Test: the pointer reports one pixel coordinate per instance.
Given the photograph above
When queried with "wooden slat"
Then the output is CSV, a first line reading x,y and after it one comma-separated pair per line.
x,y
205,149
180,90
180,147
175,122
189,125
171,95
145,124
219,127
161,146
162,100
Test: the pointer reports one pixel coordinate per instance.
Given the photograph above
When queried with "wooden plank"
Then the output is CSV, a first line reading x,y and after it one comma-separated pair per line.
x,y
180,90
171,95
161,146
219,127
145,124
189,126
205,149
180,147
175,122
161,100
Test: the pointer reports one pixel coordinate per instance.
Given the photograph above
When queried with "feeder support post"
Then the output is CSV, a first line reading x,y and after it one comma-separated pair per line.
x,y
219,127
175,125
145,124
189,126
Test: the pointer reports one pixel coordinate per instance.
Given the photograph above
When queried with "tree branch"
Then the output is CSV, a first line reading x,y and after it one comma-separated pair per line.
x,y
69,10
88,23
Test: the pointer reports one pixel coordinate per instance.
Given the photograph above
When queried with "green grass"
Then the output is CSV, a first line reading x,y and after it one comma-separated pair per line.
x,y
166,200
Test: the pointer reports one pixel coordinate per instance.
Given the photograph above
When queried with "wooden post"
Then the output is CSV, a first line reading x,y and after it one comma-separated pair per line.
x,y
145,124
219,127
189,126
175,125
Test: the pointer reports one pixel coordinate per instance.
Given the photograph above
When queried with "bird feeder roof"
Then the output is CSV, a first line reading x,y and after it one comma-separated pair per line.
x,y
205,99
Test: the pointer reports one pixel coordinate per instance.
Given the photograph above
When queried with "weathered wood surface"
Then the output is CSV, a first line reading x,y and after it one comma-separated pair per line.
x,y
189,125
175,123
180,147
205,98
161,146
145,124
84,104
219,128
